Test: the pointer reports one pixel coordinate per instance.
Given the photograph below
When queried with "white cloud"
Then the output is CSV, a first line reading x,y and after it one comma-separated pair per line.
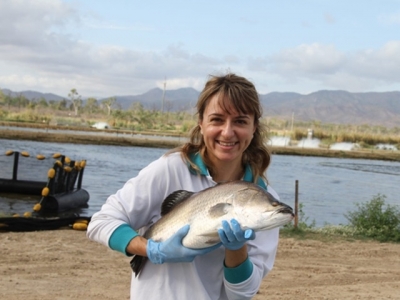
x,y
388,19
329,18
328,67
32,23
33,39
308,60
381,65
39,51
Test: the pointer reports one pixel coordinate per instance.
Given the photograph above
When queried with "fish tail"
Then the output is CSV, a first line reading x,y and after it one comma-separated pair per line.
x,y
137,264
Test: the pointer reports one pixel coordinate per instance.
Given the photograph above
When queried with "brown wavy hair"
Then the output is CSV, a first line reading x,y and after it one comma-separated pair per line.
x,y
236,91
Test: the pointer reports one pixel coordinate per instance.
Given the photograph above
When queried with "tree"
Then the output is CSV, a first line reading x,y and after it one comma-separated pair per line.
x,y
2,98
109,103
75,100
42,102
136,107
91,104
8,100
62,105
32,104
21,100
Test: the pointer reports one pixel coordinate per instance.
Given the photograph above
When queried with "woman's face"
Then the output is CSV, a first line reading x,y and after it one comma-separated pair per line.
x,y
226,135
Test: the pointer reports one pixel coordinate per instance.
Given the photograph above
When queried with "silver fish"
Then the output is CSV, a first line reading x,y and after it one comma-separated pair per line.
x,y
252,206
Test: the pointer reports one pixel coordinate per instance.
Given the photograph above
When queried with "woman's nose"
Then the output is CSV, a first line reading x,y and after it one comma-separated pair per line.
x,y
228,131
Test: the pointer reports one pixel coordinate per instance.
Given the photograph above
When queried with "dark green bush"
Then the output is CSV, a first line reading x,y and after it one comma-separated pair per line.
x,y
375,219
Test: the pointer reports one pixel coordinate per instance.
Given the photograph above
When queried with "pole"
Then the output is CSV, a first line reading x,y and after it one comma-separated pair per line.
x,y
163,96
296,205
291,127
15,167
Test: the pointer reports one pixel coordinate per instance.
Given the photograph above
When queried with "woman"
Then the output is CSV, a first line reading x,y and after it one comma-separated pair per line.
x,y
227,144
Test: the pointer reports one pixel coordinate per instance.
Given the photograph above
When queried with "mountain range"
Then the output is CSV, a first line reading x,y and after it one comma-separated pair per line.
x,y
325,106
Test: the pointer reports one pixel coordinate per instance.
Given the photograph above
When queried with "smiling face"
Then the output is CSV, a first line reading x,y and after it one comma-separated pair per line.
x,y
226,132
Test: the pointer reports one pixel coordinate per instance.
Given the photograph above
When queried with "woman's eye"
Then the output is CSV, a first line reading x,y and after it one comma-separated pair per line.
x,y
216,120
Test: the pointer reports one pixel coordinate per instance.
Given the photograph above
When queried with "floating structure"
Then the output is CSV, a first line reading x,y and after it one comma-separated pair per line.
x,y
60,194
101,125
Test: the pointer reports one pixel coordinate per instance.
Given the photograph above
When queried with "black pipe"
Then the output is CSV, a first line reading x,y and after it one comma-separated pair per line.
x,y
65,201
21,186
15,168
80,178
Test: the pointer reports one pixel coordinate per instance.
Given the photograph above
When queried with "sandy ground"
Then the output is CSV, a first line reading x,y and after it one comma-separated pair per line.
x,y
64,264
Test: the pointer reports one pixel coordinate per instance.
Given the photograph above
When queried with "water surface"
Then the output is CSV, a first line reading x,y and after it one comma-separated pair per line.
x,y
328,187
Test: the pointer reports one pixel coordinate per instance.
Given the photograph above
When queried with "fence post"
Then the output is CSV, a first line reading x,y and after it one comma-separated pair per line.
x,y
296,205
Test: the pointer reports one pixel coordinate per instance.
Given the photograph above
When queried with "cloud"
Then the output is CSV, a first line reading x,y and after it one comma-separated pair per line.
x,y
33,23
35,41
329,18
381,64
305,24
40,50
306,60
96,22
389,19
329,67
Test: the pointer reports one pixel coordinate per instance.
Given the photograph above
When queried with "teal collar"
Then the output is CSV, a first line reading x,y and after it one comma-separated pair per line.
x,y
198,161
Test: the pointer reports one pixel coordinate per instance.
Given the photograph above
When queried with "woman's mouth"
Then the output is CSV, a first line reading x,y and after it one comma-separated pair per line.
x,y
227,144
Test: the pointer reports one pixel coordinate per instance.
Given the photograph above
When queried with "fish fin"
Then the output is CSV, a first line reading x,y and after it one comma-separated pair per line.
x,y
213,238
219,210
173,199
137,264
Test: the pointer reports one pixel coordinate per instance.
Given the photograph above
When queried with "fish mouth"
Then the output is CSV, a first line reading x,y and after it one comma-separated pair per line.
x,y
285,210
279,218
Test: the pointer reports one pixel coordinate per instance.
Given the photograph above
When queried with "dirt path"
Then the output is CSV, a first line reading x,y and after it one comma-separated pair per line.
x,y
311,269
64,264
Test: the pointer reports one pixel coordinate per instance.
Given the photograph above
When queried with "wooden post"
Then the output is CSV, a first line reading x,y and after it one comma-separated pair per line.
x,y
296,205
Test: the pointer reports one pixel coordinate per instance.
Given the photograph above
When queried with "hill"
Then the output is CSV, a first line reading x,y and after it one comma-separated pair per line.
x,y
326,106
337,107
174,100
33,95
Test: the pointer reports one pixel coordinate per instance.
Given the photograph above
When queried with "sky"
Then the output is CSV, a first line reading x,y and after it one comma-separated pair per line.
x,y
127,47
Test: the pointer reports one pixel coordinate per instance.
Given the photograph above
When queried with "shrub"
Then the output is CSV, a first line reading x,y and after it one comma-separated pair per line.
x,y
375,219
302,222
337,230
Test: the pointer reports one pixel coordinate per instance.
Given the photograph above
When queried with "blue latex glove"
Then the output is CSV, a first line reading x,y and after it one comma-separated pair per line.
x,y
233,237
172,249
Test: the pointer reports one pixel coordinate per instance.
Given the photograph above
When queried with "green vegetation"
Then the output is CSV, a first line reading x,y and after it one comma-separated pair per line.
x,y
302,222
74,112
376,220
371,220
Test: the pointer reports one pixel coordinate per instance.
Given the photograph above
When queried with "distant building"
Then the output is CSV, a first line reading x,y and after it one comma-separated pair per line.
x,y
310,134
101,125
386,147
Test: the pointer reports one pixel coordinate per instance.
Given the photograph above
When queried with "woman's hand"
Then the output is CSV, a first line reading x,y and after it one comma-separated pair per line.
x,y
233,237
172,249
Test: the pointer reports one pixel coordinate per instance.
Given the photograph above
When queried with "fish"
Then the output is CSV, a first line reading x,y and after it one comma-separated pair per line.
x,y
251,205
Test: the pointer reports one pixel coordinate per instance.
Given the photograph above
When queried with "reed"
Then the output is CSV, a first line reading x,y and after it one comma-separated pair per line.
x,y
365,139
181,122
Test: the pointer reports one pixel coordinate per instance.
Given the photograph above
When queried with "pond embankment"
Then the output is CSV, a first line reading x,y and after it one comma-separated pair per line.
x,y
149,139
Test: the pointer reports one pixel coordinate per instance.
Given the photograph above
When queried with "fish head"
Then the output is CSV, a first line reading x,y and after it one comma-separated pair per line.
x,y
257,209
